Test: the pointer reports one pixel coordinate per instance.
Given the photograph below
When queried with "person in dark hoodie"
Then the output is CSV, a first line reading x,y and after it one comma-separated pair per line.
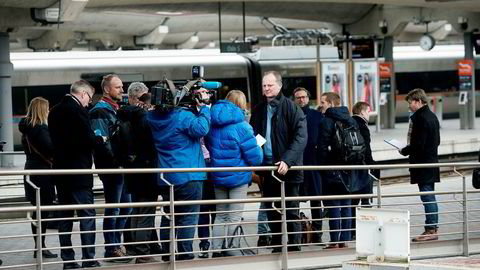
x,y
335,180
142,187
312,180
284,127
364,181
39,151
231,144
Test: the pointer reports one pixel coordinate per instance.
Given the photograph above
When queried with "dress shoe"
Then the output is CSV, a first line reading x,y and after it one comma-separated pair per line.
x,y
141,260
217,254
342,245
118,256
91,264
71,266
427,235
47,254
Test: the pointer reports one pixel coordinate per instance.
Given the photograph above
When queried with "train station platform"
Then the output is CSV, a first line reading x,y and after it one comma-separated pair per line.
x,y
453,140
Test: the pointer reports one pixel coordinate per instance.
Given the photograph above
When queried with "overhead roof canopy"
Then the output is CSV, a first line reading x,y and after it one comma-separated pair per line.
x,y
109,24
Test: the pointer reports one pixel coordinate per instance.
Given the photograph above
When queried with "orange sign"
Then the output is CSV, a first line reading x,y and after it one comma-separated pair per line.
x,y
465,67
385,69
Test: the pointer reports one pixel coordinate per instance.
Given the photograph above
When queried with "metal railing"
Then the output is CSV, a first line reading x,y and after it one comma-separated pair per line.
x,y
382,200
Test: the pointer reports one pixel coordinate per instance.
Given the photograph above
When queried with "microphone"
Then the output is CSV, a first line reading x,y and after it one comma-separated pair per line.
x,y
210,85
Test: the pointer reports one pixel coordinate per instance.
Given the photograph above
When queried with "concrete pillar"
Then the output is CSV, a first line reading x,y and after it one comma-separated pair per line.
x,y
388,117
6,112
468,43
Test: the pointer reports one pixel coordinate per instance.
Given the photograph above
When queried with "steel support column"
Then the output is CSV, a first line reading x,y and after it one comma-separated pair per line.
x,y
6,120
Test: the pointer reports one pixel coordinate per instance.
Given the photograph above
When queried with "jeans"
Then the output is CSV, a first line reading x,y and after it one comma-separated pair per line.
x,y
235,216
144,222
272,189
189,191
263,228
208,193
336,224
114,190
67,195
430,205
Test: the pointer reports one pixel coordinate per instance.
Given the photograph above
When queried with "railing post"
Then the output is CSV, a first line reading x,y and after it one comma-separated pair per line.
x,y
466,244
172,224
284,223
39,223
379,189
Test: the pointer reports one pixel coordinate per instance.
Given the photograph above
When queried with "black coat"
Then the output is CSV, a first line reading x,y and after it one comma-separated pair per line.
x,y
39,138
73,141
328,157
312,180
423,147
141,147
364,181
288,136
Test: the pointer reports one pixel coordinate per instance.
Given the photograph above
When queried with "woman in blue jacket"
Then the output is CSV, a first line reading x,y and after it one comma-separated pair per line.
x,y
232,144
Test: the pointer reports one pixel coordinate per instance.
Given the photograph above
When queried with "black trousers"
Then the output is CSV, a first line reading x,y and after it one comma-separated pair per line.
x,y
69,195
143,222
272,188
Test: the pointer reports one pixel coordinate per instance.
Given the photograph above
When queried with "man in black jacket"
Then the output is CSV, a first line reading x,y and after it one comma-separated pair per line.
x,y
312,181
73,143
422,147
143,187
336,182
283,125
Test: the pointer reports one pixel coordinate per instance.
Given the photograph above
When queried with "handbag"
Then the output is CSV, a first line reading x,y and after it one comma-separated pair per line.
x,y
31,147
476,178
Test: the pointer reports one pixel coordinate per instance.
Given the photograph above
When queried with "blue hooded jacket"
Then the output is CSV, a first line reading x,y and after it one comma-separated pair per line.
x,y
176,136
231,144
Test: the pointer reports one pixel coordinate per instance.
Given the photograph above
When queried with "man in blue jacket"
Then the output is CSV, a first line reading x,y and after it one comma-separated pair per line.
x,y
312,180
176,136
103,117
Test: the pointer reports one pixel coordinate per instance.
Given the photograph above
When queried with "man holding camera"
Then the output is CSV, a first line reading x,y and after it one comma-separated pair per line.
x,y
176,135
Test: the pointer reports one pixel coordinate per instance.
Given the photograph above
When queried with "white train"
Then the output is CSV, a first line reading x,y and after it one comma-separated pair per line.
x,y
49,74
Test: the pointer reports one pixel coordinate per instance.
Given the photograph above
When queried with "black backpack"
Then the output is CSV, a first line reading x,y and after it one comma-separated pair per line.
x,y
349,146
122,142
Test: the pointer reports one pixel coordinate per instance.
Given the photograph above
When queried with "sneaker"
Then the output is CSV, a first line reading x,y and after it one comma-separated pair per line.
x,y
427,235
264,240
91,264
331,246
117,255
141,260
204,253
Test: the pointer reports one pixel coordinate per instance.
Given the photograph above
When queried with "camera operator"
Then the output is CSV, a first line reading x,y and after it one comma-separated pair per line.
x,y
176,136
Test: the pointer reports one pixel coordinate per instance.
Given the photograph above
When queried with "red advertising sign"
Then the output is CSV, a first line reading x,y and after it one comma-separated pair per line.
x,y
465,67
385,69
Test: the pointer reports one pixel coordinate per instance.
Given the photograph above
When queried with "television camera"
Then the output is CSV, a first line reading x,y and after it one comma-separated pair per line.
x,y
168,94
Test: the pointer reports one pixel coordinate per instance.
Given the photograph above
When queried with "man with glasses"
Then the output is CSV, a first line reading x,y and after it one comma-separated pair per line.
x,y
73,143
103,118
312,180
